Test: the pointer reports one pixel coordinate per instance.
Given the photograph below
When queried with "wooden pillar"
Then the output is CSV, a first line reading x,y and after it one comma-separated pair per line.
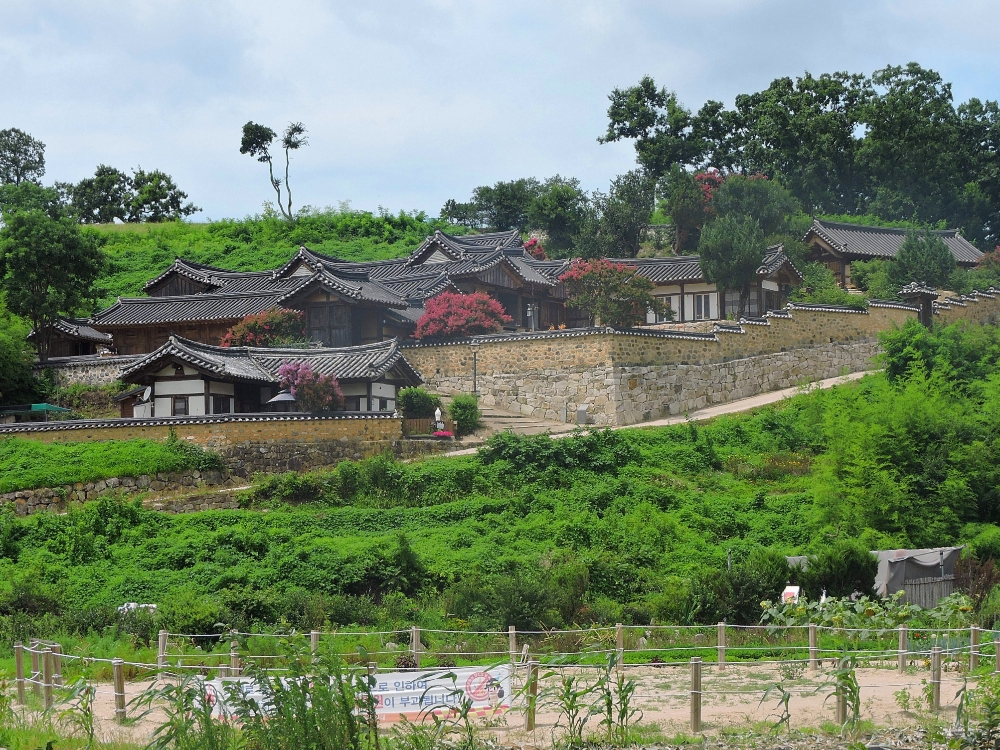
x,y
118,672
47,677
722,646
161,650
57,676
974,648
512,643
36,670
904,646
234,658
620,645
531,692
840,706
696,694
415,644
19,672
936,678
813,647
313,642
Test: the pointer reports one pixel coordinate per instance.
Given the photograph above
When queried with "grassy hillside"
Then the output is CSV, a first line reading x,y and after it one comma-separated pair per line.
x,y
138,252
607,527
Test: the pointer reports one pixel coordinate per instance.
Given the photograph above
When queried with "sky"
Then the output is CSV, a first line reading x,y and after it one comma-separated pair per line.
x,y
411,102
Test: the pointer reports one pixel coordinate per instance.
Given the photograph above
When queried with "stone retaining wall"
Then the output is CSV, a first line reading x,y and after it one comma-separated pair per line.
x,y
630,376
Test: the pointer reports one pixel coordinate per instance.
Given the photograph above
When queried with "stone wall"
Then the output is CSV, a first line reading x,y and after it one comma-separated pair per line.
x,y
182,483
634,375
89,370
250,443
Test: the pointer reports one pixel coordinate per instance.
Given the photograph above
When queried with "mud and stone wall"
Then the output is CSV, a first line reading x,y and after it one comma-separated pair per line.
x,y
631,376
90,370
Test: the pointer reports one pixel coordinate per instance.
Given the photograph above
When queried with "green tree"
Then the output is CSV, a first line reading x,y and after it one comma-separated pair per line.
x,y
685,203
732,249
559,209
48,268
104,197
29,196
505,205
615,221
17,384
611,292
155,198
257,140
22,158
663,130
923,257
770,204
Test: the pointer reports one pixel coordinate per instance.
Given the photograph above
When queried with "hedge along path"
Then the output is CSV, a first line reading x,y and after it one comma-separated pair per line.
x,y
689,690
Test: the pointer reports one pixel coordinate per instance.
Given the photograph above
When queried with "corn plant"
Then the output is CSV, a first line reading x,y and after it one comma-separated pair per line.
x,y
785,717
570,698
190,724
79,711
615,702
845,680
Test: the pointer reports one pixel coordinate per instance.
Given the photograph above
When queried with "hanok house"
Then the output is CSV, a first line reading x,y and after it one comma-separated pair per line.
x,y
188,378
681,286
837,245
346,304
72,337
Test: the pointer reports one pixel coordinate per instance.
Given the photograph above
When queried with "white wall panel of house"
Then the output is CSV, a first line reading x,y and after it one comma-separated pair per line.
x,y
162,407
354,389
384,390
222,389
143,411
179,387
196,406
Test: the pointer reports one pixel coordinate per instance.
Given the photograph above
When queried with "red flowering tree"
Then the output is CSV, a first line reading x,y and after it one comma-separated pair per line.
x,y
275,327
709,181
612,292
535,249
312,391
453,315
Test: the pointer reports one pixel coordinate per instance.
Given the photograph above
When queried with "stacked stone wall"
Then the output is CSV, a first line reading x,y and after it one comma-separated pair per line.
x,y
626,377
91,370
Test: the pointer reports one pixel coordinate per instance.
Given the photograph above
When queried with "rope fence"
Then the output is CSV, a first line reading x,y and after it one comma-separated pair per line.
x,y
39,665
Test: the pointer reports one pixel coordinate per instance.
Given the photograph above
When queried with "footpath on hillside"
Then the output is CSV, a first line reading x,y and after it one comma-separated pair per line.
x,y
497,420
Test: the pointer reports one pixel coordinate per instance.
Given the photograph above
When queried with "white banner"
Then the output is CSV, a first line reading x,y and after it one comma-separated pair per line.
x,y
407,694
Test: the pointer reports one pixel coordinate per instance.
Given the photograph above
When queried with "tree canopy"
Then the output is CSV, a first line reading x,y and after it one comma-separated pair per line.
x,y
140,197
48,267
732,248
923,257
22,158
893,144
256,142
611,292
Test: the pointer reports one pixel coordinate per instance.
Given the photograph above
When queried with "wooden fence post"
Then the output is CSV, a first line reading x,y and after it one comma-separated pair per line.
x,y
512,643
57,676
973,648
47,677
19,672
36,670
696,694
161,651
904,647
996,655
234,658
936,678
813,647
372,669
722,646
415,644
118,673
620,646
840,705
531,693
313,642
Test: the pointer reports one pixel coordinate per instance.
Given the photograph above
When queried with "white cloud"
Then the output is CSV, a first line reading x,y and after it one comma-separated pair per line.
x,y
411,102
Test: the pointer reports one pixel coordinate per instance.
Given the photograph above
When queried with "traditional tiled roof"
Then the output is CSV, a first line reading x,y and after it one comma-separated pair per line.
x,y
78,329
682,269
358,288
855,240
419,286
458,247
191,307
368,362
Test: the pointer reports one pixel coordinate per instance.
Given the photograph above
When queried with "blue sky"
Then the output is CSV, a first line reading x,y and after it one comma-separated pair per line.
x,y
411,102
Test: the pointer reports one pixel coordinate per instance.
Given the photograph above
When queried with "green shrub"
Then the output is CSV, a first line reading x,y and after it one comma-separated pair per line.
x,y
418,403
464,410
986,545
841,569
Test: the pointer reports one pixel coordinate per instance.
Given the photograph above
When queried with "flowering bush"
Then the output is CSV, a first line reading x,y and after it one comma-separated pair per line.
x,y
312,391
610,291
269,328
535,249
709,181
456,315
442,434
